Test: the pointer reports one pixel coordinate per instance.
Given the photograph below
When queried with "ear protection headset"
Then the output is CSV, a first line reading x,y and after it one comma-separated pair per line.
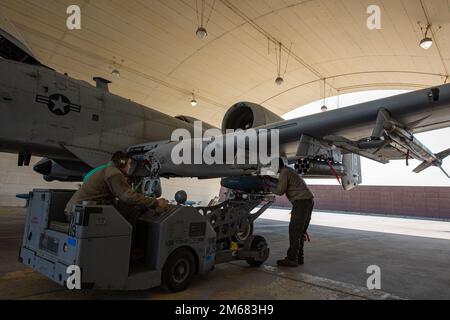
x,y
120,159
122,162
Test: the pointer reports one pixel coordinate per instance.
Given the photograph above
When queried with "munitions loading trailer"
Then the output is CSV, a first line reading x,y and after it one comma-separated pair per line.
x,y
178,243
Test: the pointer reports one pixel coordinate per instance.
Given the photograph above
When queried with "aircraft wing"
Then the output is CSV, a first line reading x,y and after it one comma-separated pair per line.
x,y
382,155
327,144
91,157
391,140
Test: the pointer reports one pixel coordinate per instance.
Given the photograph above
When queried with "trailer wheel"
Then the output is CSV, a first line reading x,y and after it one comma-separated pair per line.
x,y
242,235
178,270
258,242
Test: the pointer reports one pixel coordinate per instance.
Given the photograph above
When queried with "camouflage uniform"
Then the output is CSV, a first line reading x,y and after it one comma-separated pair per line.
x,y
302,199
107,184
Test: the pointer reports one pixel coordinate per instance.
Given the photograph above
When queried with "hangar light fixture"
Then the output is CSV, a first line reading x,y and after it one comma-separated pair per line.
x,y
427,42
201,30
201,33
193,101
116,73
279,81
279,46
324,107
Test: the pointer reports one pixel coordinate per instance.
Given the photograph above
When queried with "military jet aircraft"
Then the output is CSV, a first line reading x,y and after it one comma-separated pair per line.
x,y
76,127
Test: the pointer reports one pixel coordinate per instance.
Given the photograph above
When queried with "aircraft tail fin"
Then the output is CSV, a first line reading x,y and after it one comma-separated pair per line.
x,y
441,156
444,154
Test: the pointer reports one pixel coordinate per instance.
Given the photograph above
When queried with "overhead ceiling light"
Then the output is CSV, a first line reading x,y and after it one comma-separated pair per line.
x,y
201,33
116,73
193,101
115,67
324,107
279,81
426,43
203,17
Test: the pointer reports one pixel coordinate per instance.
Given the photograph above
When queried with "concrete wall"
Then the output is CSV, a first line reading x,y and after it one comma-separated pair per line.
x,y
432,202
197,190
15,180
427,202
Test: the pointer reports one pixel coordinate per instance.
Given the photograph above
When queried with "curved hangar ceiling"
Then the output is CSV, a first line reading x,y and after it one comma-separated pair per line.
x,y
161,61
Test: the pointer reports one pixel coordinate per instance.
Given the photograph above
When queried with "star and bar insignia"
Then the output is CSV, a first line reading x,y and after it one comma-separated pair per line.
x,y
58,104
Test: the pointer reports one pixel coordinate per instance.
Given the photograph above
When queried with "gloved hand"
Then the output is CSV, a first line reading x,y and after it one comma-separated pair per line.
x,y
269,182
160,210
162,203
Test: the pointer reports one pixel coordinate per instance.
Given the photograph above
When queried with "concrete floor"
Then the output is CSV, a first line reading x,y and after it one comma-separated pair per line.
x,y
336,262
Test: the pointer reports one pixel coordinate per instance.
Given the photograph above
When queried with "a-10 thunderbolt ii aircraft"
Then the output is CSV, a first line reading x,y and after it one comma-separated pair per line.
x,y
76,126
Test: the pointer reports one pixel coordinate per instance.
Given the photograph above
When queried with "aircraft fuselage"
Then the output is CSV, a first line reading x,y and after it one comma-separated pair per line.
x,y
48,114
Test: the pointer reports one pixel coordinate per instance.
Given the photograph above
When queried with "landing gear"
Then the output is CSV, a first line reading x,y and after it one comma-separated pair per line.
x,y
24,159
178,270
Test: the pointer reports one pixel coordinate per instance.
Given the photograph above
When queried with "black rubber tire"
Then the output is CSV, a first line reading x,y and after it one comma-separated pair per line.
x,y
256,243
254,264
180,261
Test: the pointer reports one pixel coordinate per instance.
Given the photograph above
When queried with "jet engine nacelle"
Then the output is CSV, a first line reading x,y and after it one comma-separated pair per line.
x,y
192,120
61,170
246,115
